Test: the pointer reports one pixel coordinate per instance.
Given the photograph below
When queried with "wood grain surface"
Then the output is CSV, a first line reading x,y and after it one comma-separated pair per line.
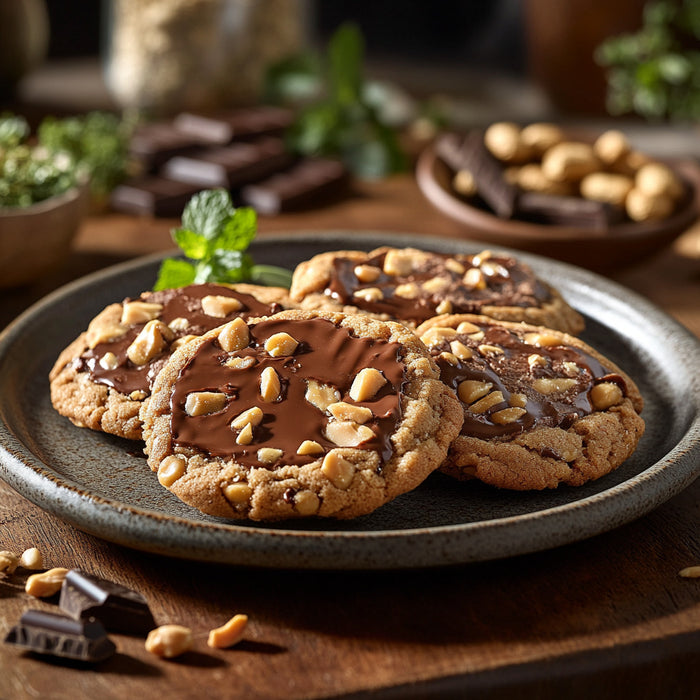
x,y
608,616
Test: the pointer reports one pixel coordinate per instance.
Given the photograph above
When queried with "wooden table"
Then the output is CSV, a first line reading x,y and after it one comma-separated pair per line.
x,y
607,616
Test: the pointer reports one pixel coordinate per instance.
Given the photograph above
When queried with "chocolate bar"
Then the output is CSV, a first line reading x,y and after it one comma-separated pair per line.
x,y
567,211
307,182
118,608
470,153
57,635
237,125
154,144
230,167
152,196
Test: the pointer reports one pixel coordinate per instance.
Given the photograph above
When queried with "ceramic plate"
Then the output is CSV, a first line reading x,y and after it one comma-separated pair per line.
x,y
102,485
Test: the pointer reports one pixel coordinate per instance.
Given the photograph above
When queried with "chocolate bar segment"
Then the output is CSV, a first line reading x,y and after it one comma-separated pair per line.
x,y
230,167
307,182
470,153
241,124
155,143
118,608
60,636
568,211
152,196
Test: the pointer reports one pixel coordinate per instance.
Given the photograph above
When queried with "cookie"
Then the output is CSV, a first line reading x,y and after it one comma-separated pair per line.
x,y
411,286
100,380
300,414
541,408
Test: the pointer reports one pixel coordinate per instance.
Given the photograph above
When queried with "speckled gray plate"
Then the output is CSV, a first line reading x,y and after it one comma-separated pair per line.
x,y
102,485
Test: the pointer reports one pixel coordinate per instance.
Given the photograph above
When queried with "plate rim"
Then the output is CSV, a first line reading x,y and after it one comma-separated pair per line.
x,y
39,483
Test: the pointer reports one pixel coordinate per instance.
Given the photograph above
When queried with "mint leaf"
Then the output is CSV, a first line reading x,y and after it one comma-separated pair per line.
x,y
174,273
345,55
215,240
239,231
194,246
271,276
207,213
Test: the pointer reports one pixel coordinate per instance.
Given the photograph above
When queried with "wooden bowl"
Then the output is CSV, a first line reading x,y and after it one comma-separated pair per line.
x,y
619,244
35,240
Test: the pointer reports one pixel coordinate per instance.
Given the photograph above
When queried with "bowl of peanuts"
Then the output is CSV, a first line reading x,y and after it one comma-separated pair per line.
x,y
591,199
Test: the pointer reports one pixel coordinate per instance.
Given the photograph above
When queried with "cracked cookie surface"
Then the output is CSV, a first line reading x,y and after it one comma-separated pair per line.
x,y
299,414
541,408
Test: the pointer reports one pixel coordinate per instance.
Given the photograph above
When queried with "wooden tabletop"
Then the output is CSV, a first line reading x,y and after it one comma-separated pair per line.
x,y
609,615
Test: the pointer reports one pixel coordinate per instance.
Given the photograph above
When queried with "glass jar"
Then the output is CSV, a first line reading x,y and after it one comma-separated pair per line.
x,y
165,56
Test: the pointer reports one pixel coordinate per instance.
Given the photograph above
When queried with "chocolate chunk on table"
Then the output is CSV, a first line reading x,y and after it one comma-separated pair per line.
x,y
60,636
470,153
152,196
232,166
309,181
118,608
567,211
240,124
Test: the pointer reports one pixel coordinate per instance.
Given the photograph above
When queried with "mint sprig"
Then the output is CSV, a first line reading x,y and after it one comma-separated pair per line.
x,y
214,238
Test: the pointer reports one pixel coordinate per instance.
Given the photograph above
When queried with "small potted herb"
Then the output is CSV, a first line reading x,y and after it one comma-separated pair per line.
x,y
43,197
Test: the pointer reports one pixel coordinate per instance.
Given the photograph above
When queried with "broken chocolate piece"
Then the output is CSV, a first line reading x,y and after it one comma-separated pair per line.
x,y
306,182
57,635
152,196
470,153
241,124
568,211
155,143
230,167
118,608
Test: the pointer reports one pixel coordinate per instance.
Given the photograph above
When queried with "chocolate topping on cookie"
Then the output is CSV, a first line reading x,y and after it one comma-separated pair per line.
x,y
152,324
415,285
511,380
281,391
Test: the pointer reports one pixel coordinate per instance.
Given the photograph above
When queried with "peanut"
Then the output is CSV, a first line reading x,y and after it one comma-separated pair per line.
x,y
642,207
367,273
503,140
611,146
338,470
149,343
169,641
31,559
347,433
238,493
270,386
171,469
606,187
220,306
45,584
367,383
281,345
234,335
134,312
569,161
9,562
201,403
540,136
229,634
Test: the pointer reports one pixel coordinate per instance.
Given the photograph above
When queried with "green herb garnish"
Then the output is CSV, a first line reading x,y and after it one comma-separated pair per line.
x,y
655,72
214,237
98,141
30,174
336,118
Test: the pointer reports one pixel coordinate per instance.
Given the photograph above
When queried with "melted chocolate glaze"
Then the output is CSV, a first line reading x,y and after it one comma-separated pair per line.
x,y
327,353
514,285
511,373
185,302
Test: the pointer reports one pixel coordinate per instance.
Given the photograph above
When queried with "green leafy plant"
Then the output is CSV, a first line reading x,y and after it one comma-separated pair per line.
x,y
98,141
30,174
655,72
214,237
335,118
